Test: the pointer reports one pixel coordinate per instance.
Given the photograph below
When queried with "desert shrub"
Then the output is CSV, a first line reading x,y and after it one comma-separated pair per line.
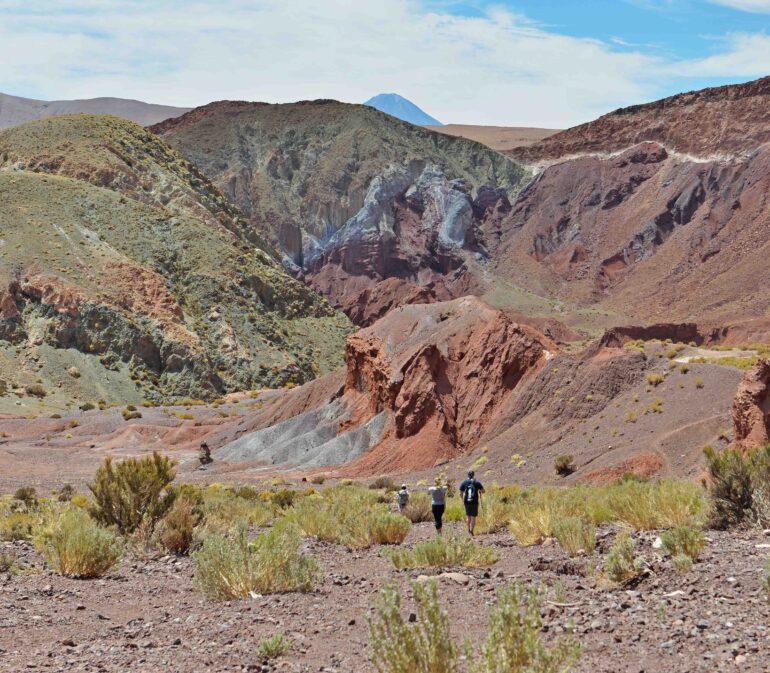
x,y
7,562
73,423
454,510
35,390
17,526
274,646
655,379
681,563
698,382
349,521
530,523
418,509
683,541
26,495
233,567
79,548
129,415
247,493
178,525
87,406
739,486
424,646
621,564
318,479
284,498
65,493
575,535
564,465
132,491
443,552
495,513
385,483
514,638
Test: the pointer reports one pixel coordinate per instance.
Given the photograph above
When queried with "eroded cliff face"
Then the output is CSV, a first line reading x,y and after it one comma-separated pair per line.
x,y
751,408
442,373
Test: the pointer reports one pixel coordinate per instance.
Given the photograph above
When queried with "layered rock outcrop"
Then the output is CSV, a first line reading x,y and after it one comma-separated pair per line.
x,y
751,408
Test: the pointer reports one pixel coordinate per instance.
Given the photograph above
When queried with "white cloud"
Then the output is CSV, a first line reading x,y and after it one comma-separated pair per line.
x,y
498,68
756,6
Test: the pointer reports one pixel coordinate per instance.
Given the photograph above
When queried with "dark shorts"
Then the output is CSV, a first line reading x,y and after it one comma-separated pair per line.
x,y
472,508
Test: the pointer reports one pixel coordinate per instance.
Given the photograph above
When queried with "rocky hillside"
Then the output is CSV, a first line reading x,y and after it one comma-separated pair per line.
x,y
716,122
626,218
15,110
126,275
351,196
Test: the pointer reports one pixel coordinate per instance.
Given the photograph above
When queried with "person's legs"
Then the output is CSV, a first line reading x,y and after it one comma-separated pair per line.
x,y
438,513
471,524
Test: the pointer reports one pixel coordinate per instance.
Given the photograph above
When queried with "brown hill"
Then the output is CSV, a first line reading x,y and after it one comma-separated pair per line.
x,y
353,197
716,122
15,110
499,138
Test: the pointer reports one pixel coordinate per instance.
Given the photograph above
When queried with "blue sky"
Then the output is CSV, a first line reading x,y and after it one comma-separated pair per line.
x,y
550,63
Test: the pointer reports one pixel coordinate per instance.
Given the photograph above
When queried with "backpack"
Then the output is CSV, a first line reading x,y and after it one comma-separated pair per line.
x,y
471,494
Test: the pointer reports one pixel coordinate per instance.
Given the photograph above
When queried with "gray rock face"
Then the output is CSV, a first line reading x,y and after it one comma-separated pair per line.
x,y
308,440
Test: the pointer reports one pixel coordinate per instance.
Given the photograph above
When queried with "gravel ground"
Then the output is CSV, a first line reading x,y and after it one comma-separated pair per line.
x,y
147,616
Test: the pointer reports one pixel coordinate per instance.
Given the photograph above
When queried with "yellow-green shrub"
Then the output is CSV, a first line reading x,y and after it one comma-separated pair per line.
x,y
444,552
79,548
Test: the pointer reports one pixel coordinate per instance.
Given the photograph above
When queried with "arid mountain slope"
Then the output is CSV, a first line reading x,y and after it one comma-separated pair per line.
x,y
500,138
710,123
125,274
623,217
15,110
351,196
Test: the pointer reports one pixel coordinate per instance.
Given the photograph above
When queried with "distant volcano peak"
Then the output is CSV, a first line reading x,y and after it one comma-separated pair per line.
x,y
401,108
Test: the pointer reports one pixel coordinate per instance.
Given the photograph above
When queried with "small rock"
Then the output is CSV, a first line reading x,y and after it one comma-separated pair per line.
x,y
412,617
740,659
657,543
68,642
460,578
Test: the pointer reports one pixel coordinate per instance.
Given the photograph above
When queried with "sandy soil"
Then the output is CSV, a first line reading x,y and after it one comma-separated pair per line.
x,y
497,137
147,616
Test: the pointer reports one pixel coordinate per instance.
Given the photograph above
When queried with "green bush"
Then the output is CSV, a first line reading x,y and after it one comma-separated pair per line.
x,y
443,552
352,521
424,646
78,547
233,567
739,486
17,526
621,564
514,638
575,535
65,493
274,646
134,491
35,390
681,563
683,541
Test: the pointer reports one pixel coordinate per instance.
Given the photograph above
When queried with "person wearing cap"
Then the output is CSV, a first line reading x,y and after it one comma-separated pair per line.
x,y
403,497
471,490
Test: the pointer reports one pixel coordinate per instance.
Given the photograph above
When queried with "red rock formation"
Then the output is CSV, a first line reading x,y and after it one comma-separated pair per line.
x,y
751,408
442,373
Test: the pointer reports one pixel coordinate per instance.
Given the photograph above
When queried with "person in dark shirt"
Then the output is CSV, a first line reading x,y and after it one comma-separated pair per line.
x,y
471,489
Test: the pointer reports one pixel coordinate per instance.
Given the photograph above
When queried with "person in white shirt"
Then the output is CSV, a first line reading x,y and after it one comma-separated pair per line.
x,y
438,502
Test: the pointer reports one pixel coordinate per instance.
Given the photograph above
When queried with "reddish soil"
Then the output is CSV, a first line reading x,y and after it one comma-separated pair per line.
x,y
692,122
147,615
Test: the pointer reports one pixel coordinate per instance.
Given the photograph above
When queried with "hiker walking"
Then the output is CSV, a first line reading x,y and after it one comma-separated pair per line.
x,y
403,498
438,502
471,489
